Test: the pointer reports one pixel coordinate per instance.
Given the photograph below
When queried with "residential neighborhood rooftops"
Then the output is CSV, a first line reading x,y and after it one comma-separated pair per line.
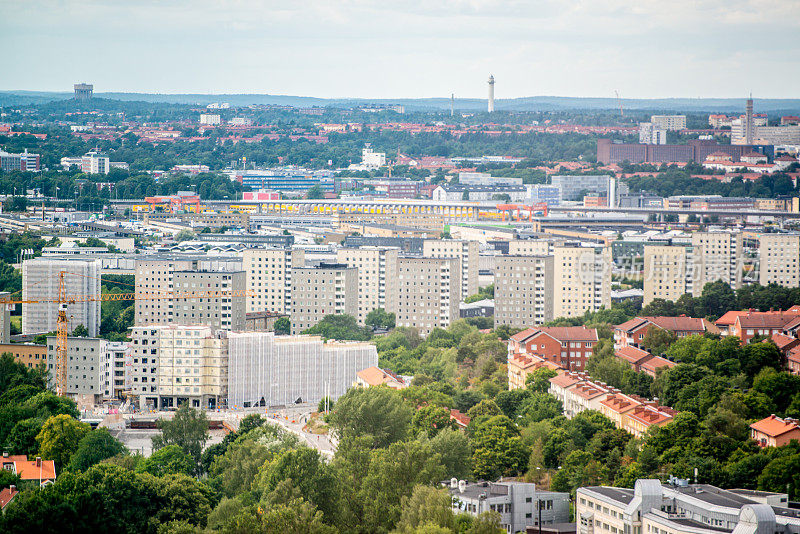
x,y
775,426
561,333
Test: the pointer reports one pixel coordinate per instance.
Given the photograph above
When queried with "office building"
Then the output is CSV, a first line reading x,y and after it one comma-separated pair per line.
x,y
83,91
94,162
547,194
286,180
467,254
669,272
269,278
484,178
25,162
574,187
719,256
519,504
523,290
220,312
377,277
682,508
609,151
326,289
210,119
428,291
84,367
651,134
268,370
779,255
459,192
40,279
178,364
669,122
581,279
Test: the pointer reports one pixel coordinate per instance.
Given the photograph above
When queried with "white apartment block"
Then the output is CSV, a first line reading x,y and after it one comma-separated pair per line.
x,y
669,122
428,292
155,277
779,257
327,289
681,508
175,365
211,119
651,134
268,370
115,369
669,272
40,279
581,280
269,278
467,254
523,290
85,376
224,312
377,277
95,163
719,256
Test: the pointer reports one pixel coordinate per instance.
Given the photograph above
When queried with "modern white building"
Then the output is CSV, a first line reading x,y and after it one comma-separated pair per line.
x,y
484,178
269,370
652,134
40,279
95,163
669,122
370,158
210,119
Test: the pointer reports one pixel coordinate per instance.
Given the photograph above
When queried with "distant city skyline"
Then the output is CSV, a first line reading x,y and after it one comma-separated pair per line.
x,y
371,49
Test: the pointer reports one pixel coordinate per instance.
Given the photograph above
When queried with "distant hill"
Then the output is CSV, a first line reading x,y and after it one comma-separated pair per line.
x,y
534,103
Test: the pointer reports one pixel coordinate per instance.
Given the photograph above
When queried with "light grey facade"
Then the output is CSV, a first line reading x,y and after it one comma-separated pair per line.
x,y
327,289
85,357
523,290
601,184
218,312
519,503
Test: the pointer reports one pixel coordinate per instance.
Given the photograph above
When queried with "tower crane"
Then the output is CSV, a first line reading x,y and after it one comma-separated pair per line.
x,y
63,300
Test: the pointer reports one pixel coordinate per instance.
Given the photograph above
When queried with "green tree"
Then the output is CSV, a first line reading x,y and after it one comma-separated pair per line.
x,y
342,327
657,340
431,420
378,318
283,326
185,235
168,460
315,193
188,429
539,380
426,506
378,413
782,474
59,438
93,448
499,449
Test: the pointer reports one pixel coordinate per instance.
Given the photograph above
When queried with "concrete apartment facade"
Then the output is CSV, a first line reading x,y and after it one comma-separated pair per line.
x,y
467,254
155,276
269,278
40,278
220,313
719,256
84,366
779,259
377,277
428,292
115,367
327,289
523,290
582,279
28,354
668,272
530,247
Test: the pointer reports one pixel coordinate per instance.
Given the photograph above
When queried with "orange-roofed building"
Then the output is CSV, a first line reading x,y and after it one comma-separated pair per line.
x,y
773,431
461,419
566,346
634,356
785,343
615,407
639,420
752,324
42,470
632,332
7,495
375,376
651,366
520,366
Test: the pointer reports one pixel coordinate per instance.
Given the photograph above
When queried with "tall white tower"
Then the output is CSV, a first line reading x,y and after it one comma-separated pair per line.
x,y
491,93
749,127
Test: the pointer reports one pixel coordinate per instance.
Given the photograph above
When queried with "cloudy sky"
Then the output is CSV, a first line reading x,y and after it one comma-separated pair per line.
x,y
414,48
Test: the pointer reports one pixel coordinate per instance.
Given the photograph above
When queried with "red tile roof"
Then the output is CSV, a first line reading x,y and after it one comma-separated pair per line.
x,y
765,319
632,354
565,380
784,341
620,403
28,470
560,333
774,426
6,496
679,324
461,419
657,362
651,415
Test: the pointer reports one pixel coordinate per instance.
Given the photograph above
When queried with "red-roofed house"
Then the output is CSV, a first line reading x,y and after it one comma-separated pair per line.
x,y
375,376
793,361
461,419
615,407
634,356
42,470
767,324
774,431
566,346
651,366
639,420
7,495
632,332
785,343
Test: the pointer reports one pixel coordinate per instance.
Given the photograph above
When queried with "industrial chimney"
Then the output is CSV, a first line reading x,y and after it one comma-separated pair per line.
x,y
491,93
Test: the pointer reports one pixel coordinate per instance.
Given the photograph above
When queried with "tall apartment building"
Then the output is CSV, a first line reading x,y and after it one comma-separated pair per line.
x,y
115,366
84,366
327,289
269,278
155,277
467,254
530,247
428,292
266,370
669,122
582,279
651,134
219,312
779,257
523,290
719,256
377,277
175,365
669,272
40,278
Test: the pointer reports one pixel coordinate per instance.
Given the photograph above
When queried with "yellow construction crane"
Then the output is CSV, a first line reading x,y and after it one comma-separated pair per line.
x,y
63,300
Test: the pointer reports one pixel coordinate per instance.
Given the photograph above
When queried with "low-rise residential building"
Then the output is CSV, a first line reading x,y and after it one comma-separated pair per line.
x,y
30,355
642,361
633,332
773,431
375,376
567,346
42,470
519,504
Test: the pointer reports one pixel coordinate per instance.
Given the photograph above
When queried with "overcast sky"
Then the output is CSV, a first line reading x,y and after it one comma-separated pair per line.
x,y
415,48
